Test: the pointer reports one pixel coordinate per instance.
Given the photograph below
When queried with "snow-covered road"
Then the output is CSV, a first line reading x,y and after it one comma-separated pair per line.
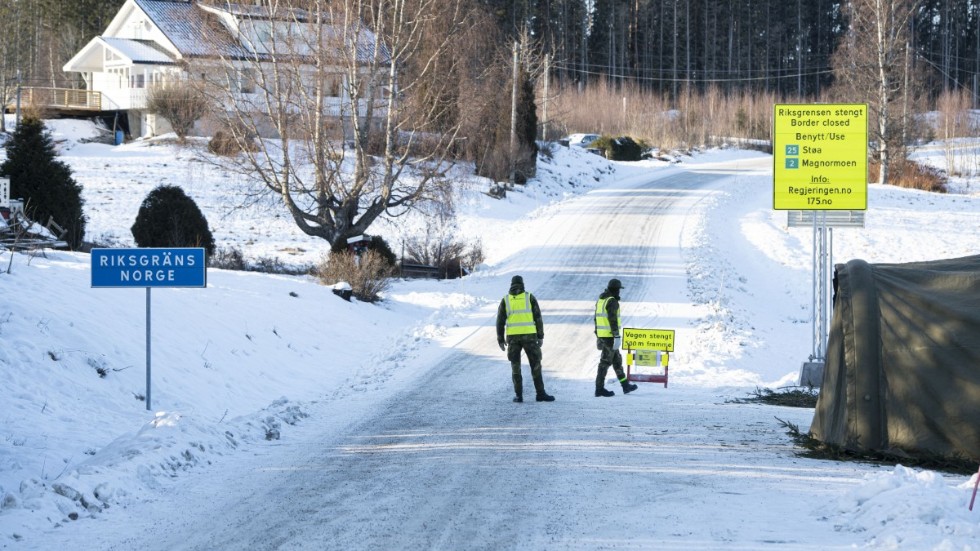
x,y
445,460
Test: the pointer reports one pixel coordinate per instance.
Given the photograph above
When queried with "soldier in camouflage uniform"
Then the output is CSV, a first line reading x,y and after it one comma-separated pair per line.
x,y
519,327
608,327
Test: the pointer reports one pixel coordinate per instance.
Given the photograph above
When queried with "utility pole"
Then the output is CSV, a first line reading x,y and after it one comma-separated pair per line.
x,y
799,51
544,106
17,116
513,118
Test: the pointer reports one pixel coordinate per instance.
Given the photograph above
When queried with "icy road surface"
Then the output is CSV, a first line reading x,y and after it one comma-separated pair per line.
x,y
445,460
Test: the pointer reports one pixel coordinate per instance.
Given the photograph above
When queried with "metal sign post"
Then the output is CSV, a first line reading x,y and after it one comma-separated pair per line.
x,y
975,486
820,175
821,271
823,224
171,267
148,386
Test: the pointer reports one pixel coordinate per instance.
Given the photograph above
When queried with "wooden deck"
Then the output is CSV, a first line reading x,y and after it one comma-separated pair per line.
x,y
58,99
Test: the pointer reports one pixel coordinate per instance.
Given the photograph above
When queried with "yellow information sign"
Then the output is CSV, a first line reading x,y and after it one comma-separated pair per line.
x,y
820,156
649,358
648,339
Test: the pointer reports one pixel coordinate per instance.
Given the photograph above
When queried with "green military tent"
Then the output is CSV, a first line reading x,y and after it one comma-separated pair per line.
x,y
902,372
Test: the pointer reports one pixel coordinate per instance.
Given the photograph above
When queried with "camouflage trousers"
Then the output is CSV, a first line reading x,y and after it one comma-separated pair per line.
x,y
529,344
609,356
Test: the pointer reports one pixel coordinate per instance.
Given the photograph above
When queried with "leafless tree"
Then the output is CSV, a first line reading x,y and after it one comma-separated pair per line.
x,y
14,49
327,80
179,101
874,64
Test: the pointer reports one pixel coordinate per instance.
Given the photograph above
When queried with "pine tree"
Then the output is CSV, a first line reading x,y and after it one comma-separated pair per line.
x,y
527,129
43,182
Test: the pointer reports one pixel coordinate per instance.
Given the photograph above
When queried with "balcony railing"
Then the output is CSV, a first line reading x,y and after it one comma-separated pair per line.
x,y
65,98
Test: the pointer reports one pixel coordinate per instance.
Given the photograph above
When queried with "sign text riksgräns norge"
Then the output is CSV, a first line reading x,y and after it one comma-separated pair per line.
x,y
149,267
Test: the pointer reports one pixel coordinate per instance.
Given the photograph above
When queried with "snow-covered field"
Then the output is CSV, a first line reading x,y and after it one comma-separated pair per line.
x,y
256,359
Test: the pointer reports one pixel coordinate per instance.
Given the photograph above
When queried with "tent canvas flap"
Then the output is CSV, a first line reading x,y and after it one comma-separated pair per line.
x,y
902,372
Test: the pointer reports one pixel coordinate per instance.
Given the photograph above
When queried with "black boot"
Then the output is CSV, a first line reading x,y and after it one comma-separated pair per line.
x,y
544,397
518,398
602,392
629,387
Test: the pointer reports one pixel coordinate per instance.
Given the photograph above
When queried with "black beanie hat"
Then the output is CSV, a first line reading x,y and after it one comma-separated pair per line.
x,y
615,284
517,280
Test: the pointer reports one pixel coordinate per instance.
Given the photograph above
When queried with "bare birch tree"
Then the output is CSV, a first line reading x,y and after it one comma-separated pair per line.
x,y
330,89
874,65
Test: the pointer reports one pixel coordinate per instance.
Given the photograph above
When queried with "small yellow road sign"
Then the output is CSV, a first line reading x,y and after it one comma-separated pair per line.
x,y
648,339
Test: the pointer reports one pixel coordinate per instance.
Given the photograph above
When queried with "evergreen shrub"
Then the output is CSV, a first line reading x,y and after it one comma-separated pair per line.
x,y
169,218
623,148
44,183
376,243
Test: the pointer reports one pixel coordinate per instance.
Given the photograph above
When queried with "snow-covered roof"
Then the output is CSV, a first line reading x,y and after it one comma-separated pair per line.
x,y
139,51
92,56
191,29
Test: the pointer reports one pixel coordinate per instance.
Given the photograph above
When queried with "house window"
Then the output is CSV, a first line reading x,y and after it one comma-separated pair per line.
x,y
137,81
246,80
265,37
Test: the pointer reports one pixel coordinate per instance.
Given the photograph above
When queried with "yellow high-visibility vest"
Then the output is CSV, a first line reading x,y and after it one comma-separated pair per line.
x,y
602,327
520,318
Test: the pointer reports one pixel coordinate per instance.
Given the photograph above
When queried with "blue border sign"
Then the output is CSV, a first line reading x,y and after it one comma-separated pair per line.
x,y
170,267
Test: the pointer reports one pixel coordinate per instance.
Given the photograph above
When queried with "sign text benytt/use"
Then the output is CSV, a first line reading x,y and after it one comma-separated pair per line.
x,y
820,157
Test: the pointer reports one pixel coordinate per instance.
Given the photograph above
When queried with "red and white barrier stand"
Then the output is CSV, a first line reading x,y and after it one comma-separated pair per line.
x,y
647,358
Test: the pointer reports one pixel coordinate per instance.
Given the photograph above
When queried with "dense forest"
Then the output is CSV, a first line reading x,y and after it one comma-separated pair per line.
x,y
780,46
40,36
614,66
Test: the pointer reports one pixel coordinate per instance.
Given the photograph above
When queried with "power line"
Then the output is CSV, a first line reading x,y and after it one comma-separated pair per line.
x,y
693,79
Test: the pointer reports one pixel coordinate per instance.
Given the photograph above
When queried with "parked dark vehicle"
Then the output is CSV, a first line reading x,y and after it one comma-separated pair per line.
x,y
579,140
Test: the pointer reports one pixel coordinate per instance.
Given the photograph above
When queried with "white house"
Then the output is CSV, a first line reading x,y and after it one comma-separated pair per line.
x,y
152,41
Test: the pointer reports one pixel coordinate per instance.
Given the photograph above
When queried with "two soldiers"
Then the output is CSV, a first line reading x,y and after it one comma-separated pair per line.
x,y
519,327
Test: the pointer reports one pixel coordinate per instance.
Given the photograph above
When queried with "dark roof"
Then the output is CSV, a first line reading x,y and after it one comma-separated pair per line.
x,y
196,33
334,31
191,29
262,12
